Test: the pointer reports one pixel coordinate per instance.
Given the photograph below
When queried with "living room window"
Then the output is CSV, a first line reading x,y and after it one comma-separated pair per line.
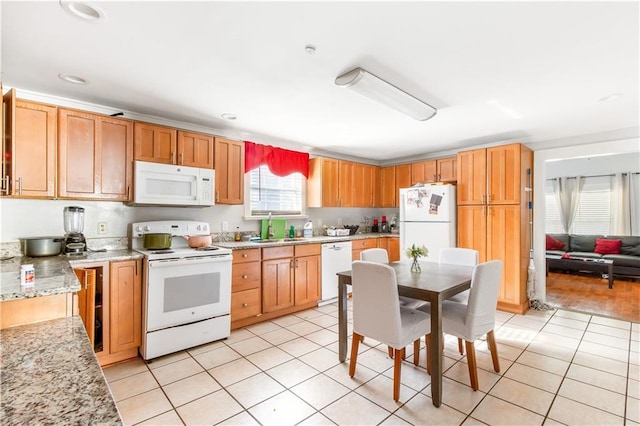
x,y
605,205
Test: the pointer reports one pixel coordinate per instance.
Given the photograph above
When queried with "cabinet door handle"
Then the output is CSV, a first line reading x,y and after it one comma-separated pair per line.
x,y
483,210
217,195
296,263
173,157
245,255
244,276
5,185
244,305
181,158
19,186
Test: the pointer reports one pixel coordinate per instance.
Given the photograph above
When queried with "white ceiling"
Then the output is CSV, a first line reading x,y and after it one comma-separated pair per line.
x,y
478,63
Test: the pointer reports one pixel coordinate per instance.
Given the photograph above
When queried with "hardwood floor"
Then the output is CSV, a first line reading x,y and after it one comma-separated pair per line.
x,y
592,295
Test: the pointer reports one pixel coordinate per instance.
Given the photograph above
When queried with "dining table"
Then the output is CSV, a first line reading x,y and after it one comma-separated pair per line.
x,y
434,283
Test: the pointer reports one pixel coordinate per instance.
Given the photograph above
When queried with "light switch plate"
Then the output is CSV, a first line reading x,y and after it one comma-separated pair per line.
x,y
225,225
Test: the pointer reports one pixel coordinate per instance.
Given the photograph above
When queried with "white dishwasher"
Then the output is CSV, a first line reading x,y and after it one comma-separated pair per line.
x,y
336,257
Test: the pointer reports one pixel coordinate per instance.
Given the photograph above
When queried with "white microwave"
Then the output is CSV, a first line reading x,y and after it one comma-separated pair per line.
x,y
157,184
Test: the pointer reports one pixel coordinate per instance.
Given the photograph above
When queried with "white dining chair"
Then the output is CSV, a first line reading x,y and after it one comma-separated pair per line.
x,y
470,321
377,314
459,256
381,255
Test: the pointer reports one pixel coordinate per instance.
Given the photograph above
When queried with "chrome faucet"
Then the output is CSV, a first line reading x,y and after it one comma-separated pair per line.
x,y
269,228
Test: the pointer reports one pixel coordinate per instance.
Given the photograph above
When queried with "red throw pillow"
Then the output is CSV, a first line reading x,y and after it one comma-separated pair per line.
x,y
554,244
604,246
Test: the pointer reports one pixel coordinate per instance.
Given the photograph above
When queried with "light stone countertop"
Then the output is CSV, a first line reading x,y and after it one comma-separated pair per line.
x,y
53,274
50,375
238,245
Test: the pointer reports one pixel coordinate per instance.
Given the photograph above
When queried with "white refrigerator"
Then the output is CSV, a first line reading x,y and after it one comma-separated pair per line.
x,y
428,217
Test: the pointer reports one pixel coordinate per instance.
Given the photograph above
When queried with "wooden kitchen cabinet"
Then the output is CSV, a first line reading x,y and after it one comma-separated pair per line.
x,y
323,182
154,143
277,278
339,183
125,310
358,245
493,214
246,298
110,305
229,166
447,169
290,278
387,187
195,149
306,273
28,148
424,172
363,185
393,249
95,156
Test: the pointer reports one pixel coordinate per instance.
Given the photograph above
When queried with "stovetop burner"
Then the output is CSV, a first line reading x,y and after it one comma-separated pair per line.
x,y
162,251
209,248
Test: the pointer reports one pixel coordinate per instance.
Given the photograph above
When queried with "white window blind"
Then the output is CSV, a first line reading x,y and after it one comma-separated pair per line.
x,y
594,209
279,195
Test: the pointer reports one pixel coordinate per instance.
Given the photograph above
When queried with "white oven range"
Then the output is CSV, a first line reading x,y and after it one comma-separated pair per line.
x,y
186,296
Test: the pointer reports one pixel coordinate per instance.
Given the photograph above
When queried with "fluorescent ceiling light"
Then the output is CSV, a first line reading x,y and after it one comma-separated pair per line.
x,y
369,85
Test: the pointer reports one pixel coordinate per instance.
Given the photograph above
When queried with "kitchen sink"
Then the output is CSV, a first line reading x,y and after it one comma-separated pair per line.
x,y
282,240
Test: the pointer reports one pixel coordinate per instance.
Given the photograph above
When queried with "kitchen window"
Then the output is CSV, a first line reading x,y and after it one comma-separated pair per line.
x,y
282,196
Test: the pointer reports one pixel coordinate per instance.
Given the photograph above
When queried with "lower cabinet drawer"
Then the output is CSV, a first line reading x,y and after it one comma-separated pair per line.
x,y
245,304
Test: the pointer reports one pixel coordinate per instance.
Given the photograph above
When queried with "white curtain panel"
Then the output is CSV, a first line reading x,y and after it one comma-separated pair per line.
x,y
568,191
634,203
620,218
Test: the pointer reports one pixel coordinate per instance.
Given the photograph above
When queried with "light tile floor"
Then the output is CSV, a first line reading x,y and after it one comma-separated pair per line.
x,y
557,367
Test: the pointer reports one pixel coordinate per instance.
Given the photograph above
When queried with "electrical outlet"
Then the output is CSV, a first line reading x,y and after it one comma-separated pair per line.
x,y
225,225
102,227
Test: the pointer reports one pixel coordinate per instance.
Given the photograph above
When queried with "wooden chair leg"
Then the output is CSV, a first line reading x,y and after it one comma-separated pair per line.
x,y
355,342
416,352
460,349
491,341
361,338
427,339
471,361
397,365
390,349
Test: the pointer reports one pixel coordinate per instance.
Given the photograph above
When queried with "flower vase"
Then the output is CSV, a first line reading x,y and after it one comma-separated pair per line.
x,y
415,266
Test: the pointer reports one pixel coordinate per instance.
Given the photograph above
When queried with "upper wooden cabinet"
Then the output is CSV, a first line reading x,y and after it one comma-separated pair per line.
x,y
447,169
161,144
95,156
322,184
491,175
393,178
424,171
340,183
154,143
387,187
195,150
364,184
441,170
229,166
28,148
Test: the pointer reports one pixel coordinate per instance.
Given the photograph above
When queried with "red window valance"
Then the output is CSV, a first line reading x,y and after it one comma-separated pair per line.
x,y
281,162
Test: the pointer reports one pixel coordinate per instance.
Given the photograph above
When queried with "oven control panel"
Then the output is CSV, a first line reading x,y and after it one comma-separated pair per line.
x,y
174,227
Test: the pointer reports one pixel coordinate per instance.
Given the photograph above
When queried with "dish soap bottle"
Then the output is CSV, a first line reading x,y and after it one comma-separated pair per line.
x,y
292,232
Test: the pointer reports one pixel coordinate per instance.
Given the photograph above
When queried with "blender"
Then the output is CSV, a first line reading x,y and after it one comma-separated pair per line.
x,y
74,241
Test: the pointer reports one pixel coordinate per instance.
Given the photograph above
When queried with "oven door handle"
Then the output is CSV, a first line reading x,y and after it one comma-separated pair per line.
x,y
163,263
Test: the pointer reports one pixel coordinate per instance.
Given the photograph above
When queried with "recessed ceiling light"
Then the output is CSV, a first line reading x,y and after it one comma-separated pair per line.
x,y
228,116
83,10
72,79
310,49
611,97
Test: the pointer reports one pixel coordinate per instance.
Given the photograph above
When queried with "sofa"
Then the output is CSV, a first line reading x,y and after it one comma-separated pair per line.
x,y
623,250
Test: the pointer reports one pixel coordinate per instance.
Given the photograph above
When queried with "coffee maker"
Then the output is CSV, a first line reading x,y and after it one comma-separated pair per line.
x,y
74,241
